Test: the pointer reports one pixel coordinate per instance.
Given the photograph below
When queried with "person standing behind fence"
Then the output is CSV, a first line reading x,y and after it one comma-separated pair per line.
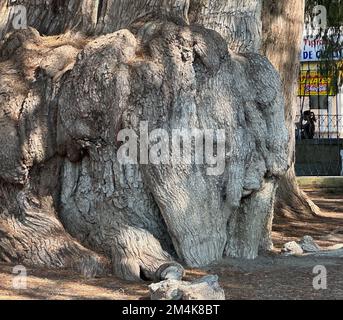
x,y
308,125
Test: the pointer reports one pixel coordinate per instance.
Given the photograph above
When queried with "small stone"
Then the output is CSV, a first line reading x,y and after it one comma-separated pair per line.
x,y
206,288
167,290
292,248
308,245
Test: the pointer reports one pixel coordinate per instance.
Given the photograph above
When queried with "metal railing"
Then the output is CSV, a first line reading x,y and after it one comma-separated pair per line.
x,y
326,127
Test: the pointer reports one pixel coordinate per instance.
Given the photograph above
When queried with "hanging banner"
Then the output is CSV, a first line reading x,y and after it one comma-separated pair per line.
x,y
314,50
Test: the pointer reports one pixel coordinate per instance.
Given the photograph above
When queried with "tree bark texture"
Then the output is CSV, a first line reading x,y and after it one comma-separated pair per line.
x,y
63,100
283,24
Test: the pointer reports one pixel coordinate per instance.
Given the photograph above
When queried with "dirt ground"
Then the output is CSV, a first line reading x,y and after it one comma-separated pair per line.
x,y
270,276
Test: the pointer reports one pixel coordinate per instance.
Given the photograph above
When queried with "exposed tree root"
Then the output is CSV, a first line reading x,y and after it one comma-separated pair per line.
x,y
291,201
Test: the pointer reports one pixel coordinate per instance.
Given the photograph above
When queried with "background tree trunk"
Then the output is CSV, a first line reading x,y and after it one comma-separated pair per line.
x,y
283,25
65,98
237,21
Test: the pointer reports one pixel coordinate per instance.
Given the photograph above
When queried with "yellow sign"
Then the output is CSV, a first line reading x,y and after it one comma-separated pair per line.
x,y
313,83
340,71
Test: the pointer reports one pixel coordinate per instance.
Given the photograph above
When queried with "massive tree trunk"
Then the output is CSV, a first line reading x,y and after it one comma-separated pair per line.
x,y
64,100
283,25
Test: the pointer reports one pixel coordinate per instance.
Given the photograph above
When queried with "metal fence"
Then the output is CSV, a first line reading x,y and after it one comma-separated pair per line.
x,y
326,127
322,154
317,167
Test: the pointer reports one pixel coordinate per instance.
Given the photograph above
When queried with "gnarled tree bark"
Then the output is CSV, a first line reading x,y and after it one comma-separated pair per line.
x,y
65,98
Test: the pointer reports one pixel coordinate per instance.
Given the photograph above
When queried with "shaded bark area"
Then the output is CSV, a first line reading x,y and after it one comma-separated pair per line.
x,y
283,23
65,98
92,17
31,234
30,231
238,21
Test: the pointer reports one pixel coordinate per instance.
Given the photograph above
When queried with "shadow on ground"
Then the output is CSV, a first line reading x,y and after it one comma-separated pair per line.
x,y
271,276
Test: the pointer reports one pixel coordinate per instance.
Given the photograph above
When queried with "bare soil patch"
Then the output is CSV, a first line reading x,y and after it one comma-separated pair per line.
x,y
271,276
